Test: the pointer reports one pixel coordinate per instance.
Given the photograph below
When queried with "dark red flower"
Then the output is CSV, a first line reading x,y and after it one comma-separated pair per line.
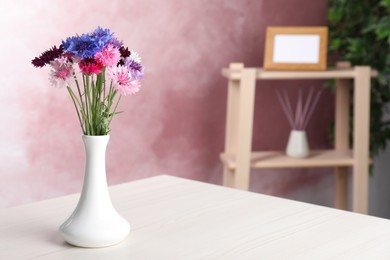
x,y
47,56
124,52
90,66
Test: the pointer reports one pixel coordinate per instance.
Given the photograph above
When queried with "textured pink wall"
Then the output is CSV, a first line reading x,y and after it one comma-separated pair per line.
x,y
175,125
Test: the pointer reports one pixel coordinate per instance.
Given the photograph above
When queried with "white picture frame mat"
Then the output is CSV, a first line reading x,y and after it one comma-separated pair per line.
x,y
294,48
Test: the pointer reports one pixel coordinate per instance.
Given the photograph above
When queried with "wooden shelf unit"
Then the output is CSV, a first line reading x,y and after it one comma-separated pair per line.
x,y
278,159
238,157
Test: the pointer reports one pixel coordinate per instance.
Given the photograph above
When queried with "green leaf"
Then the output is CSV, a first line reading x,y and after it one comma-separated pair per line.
x,y
371,25
334,15
383,28
335,43
385,3
359,32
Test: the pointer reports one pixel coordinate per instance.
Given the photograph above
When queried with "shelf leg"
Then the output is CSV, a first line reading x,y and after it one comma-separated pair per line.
x,y
228,177
231,124
341,188
245,128
361,139
342,112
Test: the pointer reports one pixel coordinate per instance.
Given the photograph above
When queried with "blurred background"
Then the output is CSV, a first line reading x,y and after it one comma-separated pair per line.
x,y
176,124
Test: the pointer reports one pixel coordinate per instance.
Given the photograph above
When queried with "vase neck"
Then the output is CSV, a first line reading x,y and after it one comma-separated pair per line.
x,y
95,181
95,141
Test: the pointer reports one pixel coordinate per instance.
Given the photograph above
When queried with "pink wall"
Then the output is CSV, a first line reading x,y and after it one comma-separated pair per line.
x,y
175,125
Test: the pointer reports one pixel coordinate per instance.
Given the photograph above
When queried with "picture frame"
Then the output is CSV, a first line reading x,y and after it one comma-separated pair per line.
x,y
296,48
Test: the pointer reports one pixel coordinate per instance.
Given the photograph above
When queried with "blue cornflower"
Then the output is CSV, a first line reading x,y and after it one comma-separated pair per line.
x,y
102,36
87,45
82,46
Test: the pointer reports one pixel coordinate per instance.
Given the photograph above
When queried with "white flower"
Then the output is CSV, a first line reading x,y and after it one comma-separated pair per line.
x,y
61,71
135,57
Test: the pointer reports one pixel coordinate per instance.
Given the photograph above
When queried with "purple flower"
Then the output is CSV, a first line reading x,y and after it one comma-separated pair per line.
x,y
136,69
116,43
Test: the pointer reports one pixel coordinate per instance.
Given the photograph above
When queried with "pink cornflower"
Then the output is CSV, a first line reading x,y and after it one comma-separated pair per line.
x,y
109,56
90,66
61,71
122,80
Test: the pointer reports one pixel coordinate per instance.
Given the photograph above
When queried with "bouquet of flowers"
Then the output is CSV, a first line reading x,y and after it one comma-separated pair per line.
x,y
106,69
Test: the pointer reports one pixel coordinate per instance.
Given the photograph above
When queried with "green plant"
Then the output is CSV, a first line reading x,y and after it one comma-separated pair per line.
x,y
359,32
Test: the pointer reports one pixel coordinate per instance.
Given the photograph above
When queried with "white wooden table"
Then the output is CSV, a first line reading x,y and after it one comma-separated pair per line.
x,y
174,218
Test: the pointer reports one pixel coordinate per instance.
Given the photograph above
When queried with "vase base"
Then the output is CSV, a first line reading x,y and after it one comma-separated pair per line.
x,y
99,235
90,244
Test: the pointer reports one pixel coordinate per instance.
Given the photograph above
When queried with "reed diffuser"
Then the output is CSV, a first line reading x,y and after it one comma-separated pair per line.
x,y
297,145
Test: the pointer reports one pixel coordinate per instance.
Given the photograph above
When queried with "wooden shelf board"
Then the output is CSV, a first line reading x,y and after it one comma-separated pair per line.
x,y
331,73
278,159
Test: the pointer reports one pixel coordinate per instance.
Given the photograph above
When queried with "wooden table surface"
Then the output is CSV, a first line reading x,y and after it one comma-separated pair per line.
x,y
174,218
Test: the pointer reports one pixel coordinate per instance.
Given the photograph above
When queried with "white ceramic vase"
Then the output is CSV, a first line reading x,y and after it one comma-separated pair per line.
x,y
95,222
297,145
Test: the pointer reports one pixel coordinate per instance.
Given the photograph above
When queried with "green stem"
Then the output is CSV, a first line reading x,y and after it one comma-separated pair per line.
x,y
104,84
88,104
110,97
74,99
80,96
93,105
116,106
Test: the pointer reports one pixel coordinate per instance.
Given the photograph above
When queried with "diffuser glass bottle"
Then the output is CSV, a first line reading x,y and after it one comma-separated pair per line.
x,y
298,145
